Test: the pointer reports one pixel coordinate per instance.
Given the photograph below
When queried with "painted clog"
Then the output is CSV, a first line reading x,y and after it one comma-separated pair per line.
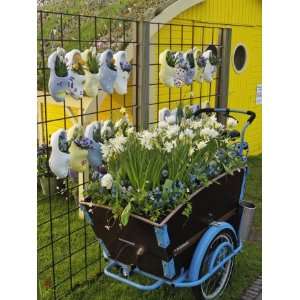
x,y
78,155
92,84
190,73
76,80
167,73
57,84
107,71
123,70
94,152
59,158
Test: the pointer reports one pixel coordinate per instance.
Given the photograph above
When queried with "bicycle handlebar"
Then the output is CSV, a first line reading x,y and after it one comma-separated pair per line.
x,y
227,111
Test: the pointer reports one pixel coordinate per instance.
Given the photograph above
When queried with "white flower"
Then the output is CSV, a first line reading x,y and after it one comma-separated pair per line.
x,y
191,151
130,130
118,143
171,119
169,146
189,133
209,132
201,145
107,181
106,151
196,124
172,131
231,123
146,138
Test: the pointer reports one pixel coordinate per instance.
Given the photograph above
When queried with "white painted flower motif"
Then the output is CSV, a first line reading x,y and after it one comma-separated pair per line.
x,y
107,181
231,123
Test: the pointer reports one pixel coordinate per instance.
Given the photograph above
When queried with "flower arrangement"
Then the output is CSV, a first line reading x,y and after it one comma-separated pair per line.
x,y
151,172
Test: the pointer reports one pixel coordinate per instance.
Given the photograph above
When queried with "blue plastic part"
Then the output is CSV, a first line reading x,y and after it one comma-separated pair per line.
x,y
162,236
129,282
202,246
169,268
104,249
190,277
87,215
243,189
210,273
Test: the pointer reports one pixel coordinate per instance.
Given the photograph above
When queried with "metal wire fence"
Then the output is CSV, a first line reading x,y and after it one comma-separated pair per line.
x,y
68,252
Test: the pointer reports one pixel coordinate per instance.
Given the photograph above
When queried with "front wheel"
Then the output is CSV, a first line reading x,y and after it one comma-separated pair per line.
x,y
213,287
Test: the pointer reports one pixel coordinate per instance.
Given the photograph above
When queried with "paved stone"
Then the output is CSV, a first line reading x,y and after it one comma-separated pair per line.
x,y
254,291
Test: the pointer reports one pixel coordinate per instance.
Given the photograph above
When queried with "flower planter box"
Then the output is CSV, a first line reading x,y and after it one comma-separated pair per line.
x,y
164,248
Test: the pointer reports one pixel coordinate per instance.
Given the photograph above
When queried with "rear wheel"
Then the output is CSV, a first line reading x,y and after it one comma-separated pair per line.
x,y
213,287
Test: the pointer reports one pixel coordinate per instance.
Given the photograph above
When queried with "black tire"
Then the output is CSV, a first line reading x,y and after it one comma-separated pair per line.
x,y
200,292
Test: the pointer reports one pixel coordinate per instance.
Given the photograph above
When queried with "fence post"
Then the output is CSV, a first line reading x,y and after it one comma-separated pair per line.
x,y
143,78
222,100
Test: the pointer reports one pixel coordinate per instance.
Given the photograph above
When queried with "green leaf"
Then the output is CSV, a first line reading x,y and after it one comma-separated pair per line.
x,y
125,214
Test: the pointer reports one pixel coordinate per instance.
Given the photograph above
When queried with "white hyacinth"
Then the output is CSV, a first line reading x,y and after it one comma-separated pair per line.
x,y
209,132
107,181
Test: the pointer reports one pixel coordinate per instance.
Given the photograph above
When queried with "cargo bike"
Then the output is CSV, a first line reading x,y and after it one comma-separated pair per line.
x,y
197,253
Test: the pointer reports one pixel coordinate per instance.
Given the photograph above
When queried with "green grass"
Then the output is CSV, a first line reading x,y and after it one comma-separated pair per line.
x,y
248,263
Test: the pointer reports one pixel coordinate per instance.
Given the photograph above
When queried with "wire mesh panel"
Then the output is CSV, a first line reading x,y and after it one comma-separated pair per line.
x,y
181,37
68,252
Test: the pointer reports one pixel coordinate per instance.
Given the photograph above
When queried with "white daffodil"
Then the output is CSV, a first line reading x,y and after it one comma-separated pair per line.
x,y
231,123
209,132
201,145
191,151
189,133
173,131
106,151
146,139
118,143
107,181
169,146
130,130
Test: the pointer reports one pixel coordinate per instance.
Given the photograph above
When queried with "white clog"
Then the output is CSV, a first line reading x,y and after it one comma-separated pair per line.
x,y
76,81
107,71
123,70
57,85
59,160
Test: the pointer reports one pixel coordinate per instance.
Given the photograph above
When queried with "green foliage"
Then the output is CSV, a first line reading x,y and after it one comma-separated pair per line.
x,y
92,63
171,59
60,67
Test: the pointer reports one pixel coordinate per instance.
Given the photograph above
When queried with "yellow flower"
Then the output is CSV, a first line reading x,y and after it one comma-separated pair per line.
x,y
123,110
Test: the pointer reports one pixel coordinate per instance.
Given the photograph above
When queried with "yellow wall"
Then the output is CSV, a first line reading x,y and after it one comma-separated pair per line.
x,y
244,17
